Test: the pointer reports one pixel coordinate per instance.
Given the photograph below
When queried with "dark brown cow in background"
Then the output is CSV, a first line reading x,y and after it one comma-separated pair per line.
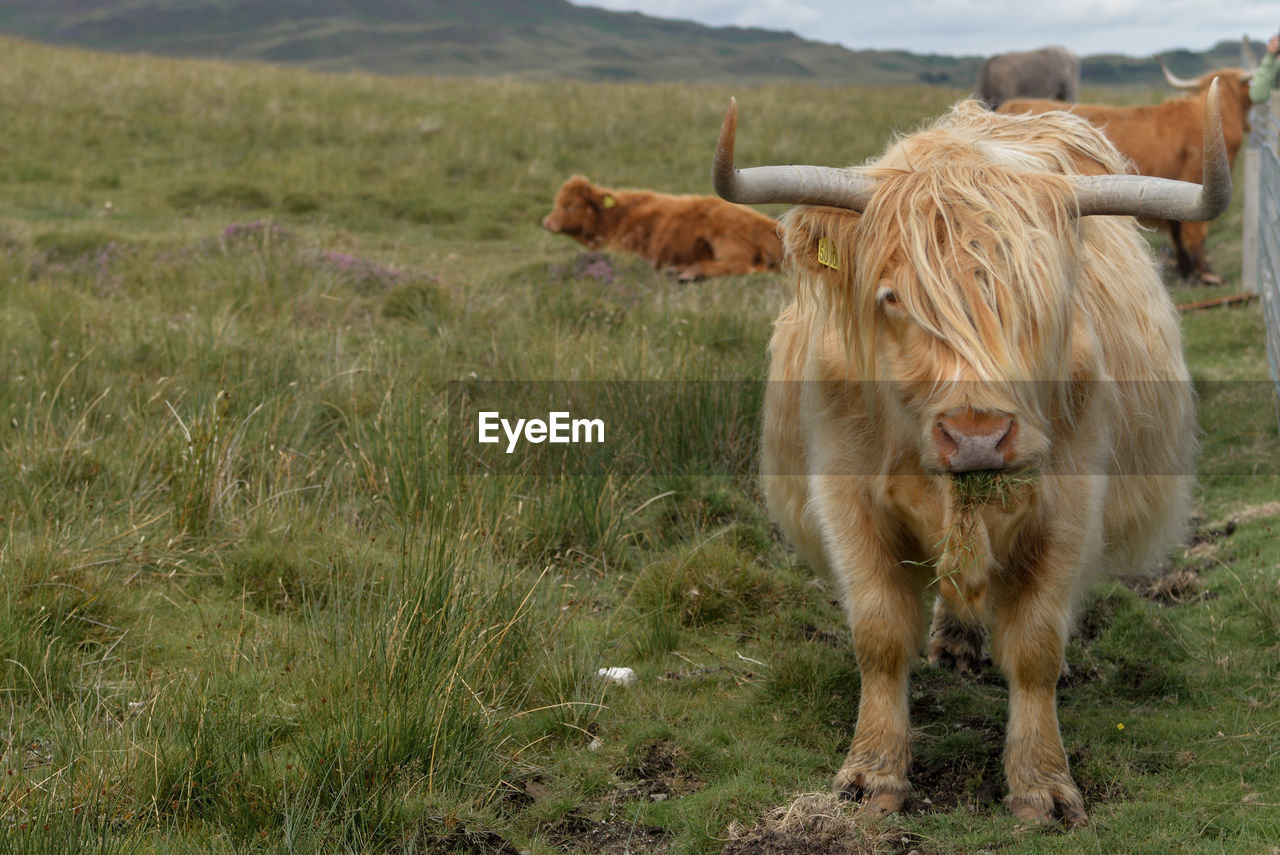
x,y
1050,72
688,236
1165,141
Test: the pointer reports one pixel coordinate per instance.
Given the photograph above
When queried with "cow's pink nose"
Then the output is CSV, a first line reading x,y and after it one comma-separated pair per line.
x,y
968,441
549,224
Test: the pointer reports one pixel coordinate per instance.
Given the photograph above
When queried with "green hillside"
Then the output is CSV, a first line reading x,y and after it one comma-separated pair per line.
x,y
531,39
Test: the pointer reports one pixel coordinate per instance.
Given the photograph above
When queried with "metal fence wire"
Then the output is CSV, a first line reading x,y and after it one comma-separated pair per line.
x,y
1261,239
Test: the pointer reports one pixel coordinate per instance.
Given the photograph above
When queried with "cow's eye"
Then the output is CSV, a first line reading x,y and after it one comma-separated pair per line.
x,y
886,296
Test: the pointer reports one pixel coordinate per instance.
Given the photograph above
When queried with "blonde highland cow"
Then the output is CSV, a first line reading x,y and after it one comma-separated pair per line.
x,y
977,307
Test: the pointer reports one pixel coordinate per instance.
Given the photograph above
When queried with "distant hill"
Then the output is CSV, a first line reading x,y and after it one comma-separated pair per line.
x,y
1114,69
532,39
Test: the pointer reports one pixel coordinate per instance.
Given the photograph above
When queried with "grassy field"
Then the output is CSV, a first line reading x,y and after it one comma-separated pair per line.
x,y
250,600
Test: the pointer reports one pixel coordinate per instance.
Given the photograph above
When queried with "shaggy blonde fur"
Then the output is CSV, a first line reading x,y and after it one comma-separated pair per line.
x,y
970,285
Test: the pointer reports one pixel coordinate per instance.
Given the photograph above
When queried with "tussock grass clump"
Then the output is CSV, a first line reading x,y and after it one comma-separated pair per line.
x,y
710,582
422,302
66,246
654,632
818,823
811,683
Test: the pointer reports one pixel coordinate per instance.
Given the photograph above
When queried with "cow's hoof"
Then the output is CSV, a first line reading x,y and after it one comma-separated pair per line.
x,y
961,658
956,645
1044,806
879,794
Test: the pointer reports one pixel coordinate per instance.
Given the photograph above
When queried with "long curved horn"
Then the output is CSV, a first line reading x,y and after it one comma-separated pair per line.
x,y
788,185
1117,195
1174,80
1163,198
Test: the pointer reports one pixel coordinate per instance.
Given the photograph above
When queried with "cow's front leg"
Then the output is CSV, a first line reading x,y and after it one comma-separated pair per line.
x,y
884,607
1028,642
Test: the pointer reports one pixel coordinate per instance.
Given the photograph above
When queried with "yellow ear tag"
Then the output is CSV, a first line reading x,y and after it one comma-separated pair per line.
x,y
827,255
609,202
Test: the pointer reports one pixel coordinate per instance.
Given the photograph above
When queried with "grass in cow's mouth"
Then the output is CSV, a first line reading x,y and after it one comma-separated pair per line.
x,y
989,486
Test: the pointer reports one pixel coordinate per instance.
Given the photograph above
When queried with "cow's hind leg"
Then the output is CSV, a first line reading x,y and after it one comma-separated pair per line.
x,y
1188,241
1194,237
730,257
1182,259
954,642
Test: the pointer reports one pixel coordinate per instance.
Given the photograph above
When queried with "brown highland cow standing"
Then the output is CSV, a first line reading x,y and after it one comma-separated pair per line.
x,y
1164,140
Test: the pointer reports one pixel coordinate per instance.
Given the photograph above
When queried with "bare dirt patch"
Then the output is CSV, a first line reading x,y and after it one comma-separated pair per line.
x,y
957,760
1175,586
657,772
974,782
612,836
434,840
823,636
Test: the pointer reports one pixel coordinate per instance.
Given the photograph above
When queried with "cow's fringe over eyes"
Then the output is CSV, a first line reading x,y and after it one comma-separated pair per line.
x,y
975,231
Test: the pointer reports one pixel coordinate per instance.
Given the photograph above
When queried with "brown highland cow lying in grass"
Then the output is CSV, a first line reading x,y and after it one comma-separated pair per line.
x,y
688,236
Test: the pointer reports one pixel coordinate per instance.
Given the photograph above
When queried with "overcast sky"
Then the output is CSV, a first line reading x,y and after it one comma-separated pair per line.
x,y
980,27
